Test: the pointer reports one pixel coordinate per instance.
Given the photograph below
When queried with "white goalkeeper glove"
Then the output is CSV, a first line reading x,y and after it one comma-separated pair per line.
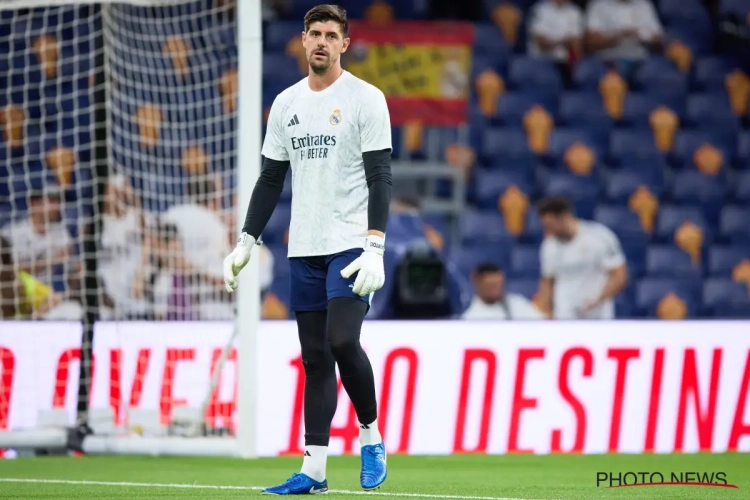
x,y
235,261
368,266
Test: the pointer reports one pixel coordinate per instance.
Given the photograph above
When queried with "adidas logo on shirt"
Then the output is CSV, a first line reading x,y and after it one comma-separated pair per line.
x,y
294,121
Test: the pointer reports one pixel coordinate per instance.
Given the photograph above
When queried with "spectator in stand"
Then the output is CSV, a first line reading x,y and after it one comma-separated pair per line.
x,y
124,258
172,282
491,300
623,32
556,32
582,264
39,244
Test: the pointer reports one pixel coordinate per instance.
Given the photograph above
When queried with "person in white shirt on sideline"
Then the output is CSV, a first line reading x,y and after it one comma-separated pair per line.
x,y
583,266
556,32
493,302
623,32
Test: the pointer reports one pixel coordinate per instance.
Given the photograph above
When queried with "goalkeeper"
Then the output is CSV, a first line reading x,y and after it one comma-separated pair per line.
x,y
334,129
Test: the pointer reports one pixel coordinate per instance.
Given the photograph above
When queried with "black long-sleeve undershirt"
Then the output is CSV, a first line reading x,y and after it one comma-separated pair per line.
x,y
265,196
380,186
270,184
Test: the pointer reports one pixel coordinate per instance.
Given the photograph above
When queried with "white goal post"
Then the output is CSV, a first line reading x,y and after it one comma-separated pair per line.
x,y
48,433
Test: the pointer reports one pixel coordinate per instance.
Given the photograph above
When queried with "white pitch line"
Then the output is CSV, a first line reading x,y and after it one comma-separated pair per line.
x,y
245,488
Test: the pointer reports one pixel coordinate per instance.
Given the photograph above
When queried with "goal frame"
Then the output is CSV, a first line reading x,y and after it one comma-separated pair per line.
x,y
249,132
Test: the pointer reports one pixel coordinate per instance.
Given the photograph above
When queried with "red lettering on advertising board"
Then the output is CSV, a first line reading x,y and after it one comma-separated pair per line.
x,y
217,408
654,400
293,448
739,426
61,376
410,356
115,381
689,389
166,400
571,399
621,357
8,365
521,402
470,357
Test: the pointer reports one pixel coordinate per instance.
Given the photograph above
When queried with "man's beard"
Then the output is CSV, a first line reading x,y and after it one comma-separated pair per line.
x,y
320,68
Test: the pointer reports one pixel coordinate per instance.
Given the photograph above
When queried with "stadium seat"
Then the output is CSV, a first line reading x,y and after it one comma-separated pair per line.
x,y
523,286
512,106
688,141
587,73
562,138
710,110
734,224
671,217
467,257
582,191
489,185
743,149
622,184
484,226
626,225
582,109
722,294
532,73
742,189
649,291
681,11
533,232
636,150
659,76
709,73
277,225
524,262
668,261
691,187
502,144
278,34
723,259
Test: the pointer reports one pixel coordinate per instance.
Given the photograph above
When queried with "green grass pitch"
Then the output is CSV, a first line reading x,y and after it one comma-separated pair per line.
x,y
564,477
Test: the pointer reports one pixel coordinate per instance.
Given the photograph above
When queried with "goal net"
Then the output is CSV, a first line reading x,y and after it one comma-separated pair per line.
x,y
119,125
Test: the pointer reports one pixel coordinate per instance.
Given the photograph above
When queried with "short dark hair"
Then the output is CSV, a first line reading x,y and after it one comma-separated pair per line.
x,y
327,12
200,188
487,268
555,205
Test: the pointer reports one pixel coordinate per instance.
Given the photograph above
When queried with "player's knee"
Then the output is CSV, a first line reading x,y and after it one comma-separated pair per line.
x,y
317,361
343,345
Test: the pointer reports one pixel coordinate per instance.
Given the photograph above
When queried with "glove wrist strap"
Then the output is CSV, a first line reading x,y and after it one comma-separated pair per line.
x,y
375,244
245,240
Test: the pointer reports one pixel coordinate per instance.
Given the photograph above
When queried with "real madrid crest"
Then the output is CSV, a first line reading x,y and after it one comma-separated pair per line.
x,y
335,117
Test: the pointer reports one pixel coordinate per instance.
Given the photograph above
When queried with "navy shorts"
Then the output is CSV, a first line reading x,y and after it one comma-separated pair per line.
x,y
313,281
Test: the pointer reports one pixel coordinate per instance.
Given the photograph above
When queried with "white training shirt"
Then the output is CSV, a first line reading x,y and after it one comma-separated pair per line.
x,y
580,269
323,135
554,22
614,16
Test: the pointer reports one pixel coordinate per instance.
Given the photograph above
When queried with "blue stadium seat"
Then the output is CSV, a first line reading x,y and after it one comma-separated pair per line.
x,y
481,62
489,185
709,73
562,138
488,40
524,262
707,110
649,291
688,141
622,184
720,294
512,106
523,286
739,8
692,187
582,191
695,33
734,224
668,261
743,149
723,259
504,143
681,11
635,149
467,257
672,217
532,73
633,239
533,232
278,34
659,76
483,226
280,68
742,190
280,260
587,73
625,304
582,108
